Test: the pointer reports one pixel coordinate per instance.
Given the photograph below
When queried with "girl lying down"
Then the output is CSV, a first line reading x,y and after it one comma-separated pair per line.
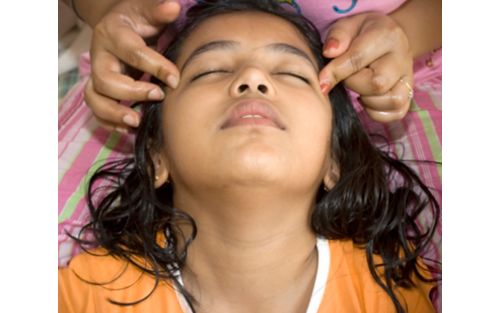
x,y
250,190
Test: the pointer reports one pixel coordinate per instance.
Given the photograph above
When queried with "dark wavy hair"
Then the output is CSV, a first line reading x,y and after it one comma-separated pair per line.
x,y
375,202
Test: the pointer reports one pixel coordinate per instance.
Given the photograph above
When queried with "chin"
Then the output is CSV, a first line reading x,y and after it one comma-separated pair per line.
x,y
254,163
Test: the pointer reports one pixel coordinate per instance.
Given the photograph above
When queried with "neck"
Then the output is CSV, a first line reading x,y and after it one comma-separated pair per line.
x,y
254,252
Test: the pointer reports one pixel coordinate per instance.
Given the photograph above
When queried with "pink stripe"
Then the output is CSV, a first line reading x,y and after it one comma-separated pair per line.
x,y
70,113
424,100
115,154
71,180
74,131
80,216
76,118
421,149
397,134
70,101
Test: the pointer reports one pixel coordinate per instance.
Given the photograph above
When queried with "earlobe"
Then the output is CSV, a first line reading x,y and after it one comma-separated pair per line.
x,y
161,172
331,176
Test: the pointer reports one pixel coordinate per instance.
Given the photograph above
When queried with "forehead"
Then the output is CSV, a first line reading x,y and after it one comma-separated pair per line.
x,y
250,29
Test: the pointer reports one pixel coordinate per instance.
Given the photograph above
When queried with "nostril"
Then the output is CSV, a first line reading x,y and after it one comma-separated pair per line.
x,y
242,88
262,88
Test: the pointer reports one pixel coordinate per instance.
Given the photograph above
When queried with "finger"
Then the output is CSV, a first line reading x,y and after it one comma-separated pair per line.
x,y
386,117
363,51
131,49
111,127
109,82
164,11
146,19
380,76
109,110
397,100
340,36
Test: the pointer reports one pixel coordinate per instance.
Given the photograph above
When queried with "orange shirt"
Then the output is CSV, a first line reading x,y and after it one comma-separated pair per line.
x,y
349,286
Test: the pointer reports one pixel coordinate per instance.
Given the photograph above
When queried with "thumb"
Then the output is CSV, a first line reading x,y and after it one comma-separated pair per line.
x,y
341,34
163,11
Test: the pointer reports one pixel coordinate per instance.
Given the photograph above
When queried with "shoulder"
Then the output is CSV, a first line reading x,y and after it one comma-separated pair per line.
x,y
351,287
94,278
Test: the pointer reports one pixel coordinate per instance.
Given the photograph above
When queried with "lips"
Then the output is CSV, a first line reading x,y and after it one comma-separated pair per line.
x,y
253,112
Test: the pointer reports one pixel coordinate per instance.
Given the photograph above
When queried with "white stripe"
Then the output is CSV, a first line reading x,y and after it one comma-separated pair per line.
x,y
321,275
319,282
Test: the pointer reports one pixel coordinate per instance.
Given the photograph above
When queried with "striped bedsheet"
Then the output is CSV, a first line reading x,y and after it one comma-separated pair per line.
x,y
82,144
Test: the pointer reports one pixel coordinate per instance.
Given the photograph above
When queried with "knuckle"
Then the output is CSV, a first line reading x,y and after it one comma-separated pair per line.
x,y
356,60
396,36
133,57
90,100
161,72
380,85
98,83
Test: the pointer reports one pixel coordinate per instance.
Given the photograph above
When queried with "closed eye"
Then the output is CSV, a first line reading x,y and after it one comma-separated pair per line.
x,y
302,78
208,73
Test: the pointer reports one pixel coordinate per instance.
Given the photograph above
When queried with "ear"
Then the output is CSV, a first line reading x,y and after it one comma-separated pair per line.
x,y
331,176
161,170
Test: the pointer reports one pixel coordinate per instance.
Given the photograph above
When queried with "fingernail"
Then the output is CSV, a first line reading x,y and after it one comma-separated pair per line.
x,y
130,121
155,94
172,81
121,130
324,87
331,44
324,84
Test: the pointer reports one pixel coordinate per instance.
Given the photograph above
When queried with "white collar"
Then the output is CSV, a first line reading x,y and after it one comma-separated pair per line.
x,y
319,281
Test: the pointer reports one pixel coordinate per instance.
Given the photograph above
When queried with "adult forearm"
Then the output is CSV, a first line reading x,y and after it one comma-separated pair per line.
x,y
421,20
92,10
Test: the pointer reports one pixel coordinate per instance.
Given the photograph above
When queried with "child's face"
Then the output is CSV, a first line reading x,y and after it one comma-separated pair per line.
x,y
243,112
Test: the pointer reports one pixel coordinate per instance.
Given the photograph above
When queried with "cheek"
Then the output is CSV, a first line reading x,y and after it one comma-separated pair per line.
x,y
313,120
187,113
312,115
186,122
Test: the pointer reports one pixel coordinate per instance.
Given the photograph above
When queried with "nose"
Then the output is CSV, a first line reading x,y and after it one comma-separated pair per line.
x,y
252,80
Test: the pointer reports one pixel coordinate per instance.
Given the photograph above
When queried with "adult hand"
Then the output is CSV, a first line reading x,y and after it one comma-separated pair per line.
x,y
372,56
118,40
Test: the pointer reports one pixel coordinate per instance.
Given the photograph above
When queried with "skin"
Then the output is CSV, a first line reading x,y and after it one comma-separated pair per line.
x,y
373,55
124,25
119,32
378,64
251,187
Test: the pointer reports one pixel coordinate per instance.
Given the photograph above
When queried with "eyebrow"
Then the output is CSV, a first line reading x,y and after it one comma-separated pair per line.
x,y
231,45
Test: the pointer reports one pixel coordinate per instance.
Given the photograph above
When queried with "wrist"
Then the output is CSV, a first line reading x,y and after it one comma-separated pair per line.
x,y
421,22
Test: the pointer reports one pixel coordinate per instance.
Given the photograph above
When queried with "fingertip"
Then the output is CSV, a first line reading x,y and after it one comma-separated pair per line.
x,y
172,81
173,5
325,87
325,81
156,94
130,120
331,46
121,130
167,10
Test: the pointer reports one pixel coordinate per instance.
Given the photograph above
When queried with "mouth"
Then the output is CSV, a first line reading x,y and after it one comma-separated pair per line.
x,y
252,112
